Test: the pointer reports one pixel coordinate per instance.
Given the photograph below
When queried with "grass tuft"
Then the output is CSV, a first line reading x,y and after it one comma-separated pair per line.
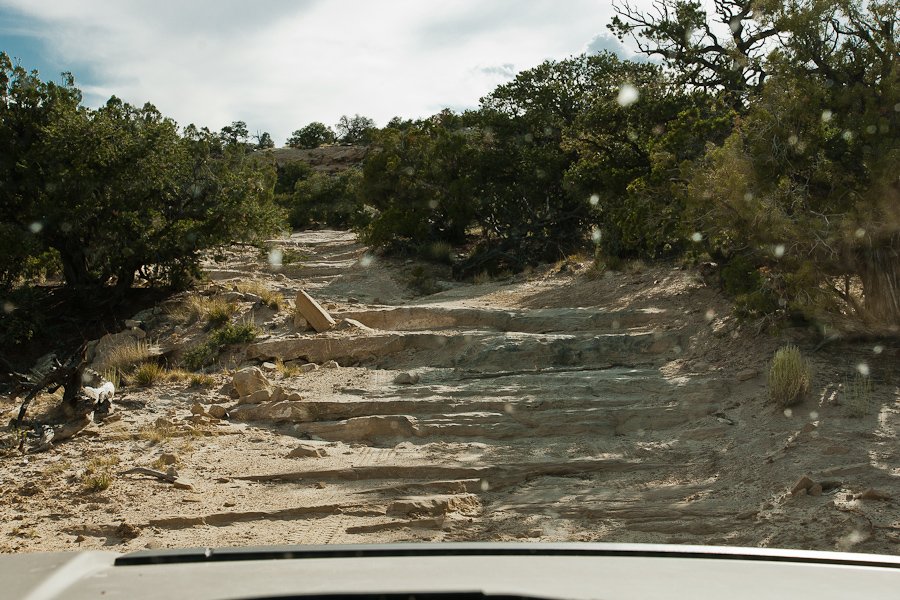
x,y
855,395
788,376
206,353
148,374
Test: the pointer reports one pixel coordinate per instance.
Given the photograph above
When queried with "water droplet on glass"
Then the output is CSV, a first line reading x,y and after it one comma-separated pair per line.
x,y
485,486
863,369
275,256
65,227
36,227
595,199
792,140
860,232
627,94
848,135
788,413
596,236
8,307
871,129
878,349
826,115
779,251
710,314
697,236
365,261
410,171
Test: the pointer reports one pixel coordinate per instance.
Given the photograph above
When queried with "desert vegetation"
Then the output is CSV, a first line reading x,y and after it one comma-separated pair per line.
x,y
766,141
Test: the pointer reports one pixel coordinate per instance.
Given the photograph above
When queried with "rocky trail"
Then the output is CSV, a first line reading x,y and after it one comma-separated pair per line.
x,y
551,406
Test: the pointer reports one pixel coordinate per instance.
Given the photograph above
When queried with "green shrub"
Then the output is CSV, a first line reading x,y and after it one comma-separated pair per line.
x,y
788,376
206,353
219,312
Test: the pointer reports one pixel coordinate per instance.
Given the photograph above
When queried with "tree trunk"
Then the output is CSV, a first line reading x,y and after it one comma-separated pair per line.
x,y
880,274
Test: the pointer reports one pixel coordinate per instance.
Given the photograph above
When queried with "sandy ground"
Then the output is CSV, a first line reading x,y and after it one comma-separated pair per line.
x,y
551,406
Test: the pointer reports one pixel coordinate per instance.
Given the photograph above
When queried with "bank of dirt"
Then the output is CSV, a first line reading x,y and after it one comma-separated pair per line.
x,y
556,405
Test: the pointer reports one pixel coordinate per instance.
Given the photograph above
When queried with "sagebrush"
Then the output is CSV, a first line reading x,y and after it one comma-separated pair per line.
x,y
788,376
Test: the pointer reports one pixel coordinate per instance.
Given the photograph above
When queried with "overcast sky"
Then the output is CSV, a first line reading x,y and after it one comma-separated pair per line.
x,y
279,65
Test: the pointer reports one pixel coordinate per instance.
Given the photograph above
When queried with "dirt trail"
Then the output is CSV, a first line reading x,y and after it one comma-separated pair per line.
x,y
550,406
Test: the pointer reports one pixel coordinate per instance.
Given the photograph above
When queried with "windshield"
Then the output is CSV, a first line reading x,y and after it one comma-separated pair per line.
x,y
340,273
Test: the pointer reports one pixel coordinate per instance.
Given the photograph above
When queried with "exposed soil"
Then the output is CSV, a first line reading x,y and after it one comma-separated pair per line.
x,y
631,407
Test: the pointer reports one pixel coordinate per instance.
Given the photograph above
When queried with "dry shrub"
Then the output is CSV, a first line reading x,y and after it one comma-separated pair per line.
x,y
788,376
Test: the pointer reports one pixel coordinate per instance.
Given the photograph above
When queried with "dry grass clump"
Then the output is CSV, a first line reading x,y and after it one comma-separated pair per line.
x,y
148,374
159,432
788,376
198,308
284,371
201,380
97,474
268,297
855,395
124,356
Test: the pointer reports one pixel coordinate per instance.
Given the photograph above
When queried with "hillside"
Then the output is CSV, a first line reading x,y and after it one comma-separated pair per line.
x,y
556,405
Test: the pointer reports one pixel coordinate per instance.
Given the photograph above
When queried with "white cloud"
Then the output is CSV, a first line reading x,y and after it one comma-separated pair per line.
x,y
280,65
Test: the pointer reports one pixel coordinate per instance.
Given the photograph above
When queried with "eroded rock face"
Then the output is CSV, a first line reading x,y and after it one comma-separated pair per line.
x,y
249,381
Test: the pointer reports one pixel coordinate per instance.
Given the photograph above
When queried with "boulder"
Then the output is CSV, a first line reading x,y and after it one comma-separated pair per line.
x,y
804,483
407,378
257,397
352,325
218,411
286,410
250,380
313,312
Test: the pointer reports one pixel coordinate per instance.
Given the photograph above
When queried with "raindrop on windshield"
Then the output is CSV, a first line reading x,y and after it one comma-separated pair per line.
x,y
595,199
627,94
36,227
8,307
878,349
365,261
863,369
710,314
596,236
779,251
275,256
826,115
697,236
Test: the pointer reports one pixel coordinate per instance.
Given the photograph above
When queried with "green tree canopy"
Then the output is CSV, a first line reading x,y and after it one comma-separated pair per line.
x,y
119,192
312,136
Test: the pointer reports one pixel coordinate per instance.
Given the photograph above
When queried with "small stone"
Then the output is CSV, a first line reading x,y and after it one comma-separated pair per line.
x,y
131,323
535,533
701,366
308,367
804,483
873,494
257,397
197,409
183,484
808,428
835,450
747,514
268,367
815,490
747,374
331,364
192,498
228,504
352,300
172,472
112,419
218,411
280,277
80,539
168,458
307,450
321,485
407,378
800,493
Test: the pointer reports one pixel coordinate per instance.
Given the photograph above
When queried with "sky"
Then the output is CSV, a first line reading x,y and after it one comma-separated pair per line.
x,y
279,65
